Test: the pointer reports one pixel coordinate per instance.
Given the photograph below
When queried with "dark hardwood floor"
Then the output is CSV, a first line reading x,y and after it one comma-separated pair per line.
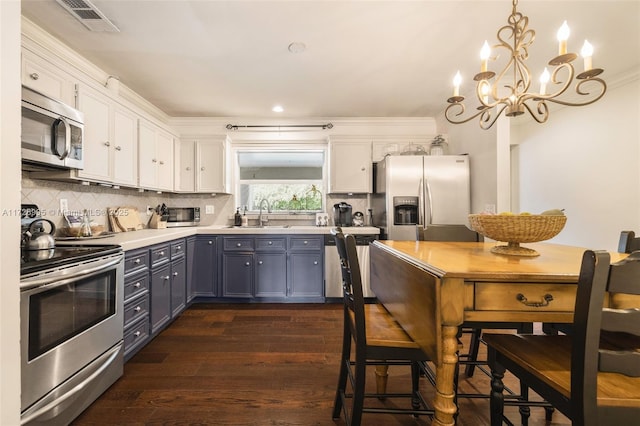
x,y
254,364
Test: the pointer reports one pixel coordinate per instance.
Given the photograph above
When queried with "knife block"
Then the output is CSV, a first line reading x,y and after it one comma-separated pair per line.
x,y
156,222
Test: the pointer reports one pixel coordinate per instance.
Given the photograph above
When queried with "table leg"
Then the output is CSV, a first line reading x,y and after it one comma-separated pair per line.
x,y
444,404
382,373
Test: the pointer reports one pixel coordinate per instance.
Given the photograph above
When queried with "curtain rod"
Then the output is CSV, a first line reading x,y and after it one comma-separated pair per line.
x,y
236,126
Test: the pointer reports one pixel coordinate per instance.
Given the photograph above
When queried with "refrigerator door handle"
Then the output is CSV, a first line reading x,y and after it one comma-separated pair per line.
x,y
427,196
421,212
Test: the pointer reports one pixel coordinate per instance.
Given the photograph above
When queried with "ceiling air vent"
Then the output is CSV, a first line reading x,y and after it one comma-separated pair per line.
x,y
85,12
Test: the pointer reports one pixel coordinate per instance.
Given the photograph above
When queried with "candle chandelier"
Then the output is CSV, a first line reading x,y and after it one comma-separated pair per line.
x,y
509,91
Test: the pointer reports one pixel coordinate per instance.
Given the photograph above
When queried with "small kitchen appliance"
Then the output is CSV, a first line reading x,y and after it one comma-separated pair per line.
x,y
342,214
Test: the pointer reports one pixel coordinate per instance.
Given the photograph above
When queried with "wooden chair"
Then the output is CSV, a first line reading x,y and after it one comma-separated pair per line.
x,y
378,339
592,376
628,242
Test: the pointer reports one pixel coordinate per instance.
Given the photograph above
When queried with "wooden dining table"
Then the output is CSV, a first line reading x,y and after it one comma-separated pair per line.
x,y
433,288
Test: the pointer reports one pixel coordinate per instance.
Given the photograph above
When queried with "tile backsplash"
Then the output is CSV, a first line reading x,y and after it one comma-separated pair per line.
x,y
96,199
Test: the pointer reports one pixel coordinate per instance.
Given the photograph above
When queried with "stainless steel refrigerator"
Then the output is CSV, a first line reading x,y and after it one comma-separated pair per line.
x,y
419,190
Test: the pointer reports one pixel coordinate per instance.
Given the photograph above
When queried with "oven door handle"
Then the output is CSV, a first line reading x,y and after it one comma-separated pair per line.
x,y
58,401
64,277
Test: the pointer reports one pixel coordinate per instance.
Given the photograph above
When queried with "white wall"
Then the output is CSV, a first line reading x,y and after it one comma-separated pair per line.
x,y
9,204
587,161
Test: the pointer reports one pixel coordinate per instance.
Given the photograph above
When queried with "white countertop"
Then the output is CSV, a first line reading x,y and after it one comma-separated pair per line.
x,y
146,237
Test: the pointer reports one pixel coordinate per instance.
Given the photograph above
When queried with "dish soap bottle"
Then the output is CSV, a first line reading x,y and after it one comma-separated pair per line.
x,y
237,218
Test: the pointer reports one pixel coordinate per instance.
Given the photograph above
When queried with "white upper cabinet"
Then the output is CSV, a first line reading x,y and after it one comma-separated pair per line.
x,y
350,168
41,76
155,157
110,139
202,165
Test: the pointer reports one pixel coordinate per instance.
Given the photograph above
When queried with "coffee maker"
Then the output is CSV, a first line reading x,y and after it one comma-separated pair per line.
x,y
342,214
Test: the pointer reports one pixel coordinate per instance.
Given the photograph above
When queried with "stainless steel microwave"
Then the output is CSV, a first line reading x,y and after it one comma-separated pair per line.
x,y
52,132
183,216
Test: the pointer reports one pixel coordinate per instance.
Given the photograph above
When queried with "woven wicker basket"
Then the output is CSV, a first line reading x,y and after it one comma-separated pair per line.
x,y
516,229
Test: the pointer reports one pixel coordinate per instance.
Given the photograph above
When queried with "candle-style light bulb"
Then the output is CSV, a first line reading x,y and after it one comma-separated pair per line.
x,y
544,79
484,90
563,36
485,52
587,54
457,80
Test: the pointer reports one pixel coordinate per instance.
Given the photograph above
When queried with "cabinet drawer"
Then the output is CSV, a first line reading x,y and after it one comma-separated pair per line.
x,y
136,261
136,285
159,255
238,244
178,248
275,244
524,297
308,243
136,308
136,335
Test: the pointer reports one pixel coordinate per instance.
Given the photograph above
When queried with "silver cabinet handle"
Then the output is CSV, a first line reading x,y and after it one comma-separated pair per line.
x,y
137,285
107,143
175,274
306,242
153,160
239,245
270,242
137,309
363,169
161,253
188,169
166,278
34,76
178,247
161,162
315,263
260,262
202,169
137,261
137,334
248,264
210,242
118,148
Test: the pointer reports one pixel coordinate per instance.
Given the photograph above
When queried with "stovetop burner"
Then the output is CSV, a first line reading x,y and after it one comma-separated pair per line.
x,y
38,260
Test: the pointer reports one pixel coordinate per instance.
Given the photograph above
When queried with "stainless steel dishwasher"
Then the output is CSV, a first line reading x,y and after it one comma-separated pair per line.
x,y
332,274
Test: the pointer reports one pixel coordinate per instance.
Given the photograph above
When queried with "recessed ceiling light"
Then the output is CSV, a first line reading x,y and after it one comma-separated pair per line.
x,y
277,108
297,47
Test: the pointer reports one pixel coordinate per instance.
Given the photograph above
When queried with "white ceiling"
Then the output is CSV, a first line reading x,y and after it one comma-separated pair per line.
x,y
362,59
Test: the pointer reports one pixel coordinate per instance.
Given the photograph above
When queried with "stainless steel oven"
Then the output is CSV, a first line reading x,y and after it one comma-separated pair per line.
x,y
71,313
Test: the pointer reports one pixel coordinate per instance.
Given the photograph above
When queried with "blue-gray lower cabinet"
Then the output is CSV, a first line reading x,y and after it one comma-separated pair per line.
x,y
136,301
306,268
202,267
273,268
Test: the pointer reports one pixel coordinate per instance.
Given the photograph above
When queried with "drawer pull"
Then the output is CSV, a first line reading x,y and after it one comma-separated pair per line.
x,y
248,264
315,262
306,242
161,253
34,76
137,334
260,262
137,285
137,309
137,261
522,299
239,245
178,247
270,243
175,274
167,278
210,242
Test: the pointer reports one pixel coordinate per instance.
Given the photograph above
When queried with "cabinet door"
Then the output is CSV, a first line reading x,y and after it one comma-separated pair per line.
x,y
46,78
210,174
147,161
237,275
306,274
178,287
160,297
204,279
125,147
96,143
164,152
350,167
185,166
271,274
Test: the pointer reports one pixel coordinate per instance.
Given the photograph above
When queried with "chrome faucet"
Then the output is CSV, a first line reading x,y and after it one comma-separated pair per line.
x,y
261,220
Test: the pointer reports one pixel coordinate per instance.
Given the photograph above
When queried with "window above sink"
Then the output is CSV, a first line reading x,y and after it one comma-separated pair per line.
x,y
292,180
